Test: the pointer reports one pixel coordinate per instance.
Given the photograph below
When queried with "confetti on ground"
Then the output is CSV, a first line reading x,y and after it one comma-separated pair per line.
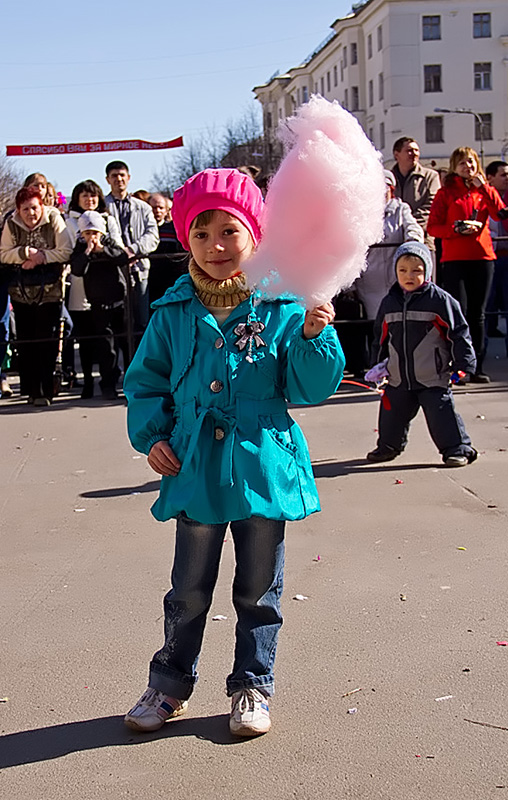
x,y
398,481
80,472
353,691
461,548
136,457
445,697
318,558
403,597
134,493
480,416
4,699
79,510
219,618
352,710
300,597
502,644
444,588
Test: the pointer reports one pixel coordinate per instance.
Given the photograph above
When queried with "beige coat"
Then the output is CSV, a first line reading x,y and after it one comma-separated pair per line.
x,y
50,235
419,189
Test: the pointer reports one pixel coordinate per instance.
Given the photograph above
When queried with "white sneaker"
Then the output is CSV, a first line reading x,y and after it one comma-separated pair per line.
x,y
249,713
153,709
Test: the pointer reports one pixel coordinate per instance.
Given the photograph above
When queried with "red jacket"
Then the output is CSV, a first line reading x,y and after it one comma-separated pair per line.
x,y
457,201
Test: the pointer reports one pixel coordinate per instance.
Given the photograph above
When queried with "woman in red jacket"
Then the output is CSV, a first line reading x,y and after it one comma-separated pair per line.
x,y
459,217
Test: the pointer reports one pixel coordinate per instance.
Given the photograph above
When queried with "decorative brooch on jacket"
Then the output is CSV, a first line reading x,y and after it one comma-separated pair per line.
x,y
248,336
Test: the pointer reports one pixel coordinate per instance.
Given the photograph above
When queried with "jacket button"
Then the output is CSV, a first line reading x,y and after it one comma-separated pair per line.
x,y
216,386
219,434
219,343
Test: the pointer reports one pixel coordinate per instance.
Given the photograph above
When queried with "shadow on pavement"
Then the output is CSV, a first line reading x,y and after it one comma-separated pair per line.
x,y
43,744
121,491
334,469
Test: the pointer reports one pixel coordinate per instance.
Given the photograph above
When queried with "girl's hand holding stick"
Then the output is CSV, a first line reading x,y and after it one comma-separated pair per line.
x,y
317,319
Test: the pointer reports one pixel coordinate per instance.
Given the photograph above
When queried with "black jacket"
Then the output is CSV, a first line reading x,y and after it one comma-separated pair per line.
x,y
103,273
424,336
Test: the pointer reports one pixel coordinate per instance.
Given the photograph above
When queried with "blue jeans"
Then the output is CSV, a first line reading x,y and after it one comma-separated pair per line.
x,y
140,304
257,588
5,313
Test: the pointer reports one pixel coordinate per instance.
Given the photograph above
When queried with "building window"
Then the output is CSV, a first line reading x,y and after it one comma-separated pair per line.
x,y
369,46
381,85
322,85
342,71
382,140
280,113
316,88
432,78
486,127
481,26
380,37
431,27
483,76
355,98
371,93
298,96
346,100
328,82
335,76
268,119
371,135
344,56
434,129
305,94
354,53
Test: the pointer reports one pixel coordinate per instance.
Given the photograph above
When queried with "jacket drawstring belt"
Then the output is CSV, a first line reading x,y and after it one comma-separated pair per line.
x,y
246,412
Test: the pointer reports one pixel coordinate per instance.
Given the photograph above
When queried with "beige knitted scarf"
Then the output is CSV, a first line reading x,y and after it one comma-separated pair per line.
x,y
219,294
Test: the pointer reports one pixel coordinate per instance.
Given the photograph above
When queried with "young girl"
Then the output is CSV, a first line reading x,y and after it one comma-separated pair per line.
x,y
207,393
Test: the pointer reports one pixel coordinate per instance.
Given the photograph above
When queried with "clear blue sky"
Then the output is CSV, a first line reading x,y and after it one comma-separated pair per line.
x,y
100,71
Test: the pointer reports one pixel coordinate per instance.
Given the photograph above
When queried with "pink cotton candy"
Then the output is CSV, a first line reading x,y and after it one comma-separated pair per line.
x,y
324,207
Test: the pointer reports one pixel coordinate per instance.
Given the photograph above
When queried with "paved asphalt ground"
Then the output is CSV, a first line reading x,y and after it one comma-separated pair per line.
x,y
405,602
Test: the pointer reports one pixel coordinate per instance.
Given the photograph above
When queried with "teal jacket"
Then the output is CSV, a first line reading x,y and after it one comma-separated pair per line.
x,y
218,396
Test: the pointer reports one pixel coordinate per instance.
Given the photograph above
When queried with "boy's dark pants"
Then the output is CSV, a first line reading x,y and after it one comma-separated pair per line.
x,y
108,327
399,406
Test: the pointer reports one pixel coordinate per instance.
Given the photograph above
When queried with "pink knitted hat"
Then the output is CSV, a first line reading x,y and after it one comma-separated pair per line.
x,y
222,190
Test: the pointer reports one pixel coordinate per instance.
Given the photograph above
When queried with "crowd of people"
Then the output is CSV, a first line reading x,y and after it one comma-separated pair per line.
x,y
87,272
461,216
80,273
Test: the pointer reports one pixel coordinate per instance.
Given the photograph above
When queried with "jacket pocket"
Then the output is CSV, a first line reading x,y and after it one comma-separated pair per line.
x,y
438,360
277,428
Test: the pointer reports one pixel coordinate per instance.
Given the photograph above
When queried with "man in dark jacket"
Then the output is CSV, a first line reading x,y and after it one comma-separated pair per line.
x,y
423,338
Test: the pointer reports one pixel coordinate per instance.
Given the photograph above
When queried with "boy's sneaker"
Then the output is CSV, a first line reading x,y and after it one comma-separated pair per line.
x,y
249,713
153,709
456,461
383,452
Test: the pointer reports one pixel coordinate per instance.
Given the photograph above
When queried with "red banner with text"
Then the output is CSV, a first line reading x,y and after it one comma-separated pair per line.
x,y
129,145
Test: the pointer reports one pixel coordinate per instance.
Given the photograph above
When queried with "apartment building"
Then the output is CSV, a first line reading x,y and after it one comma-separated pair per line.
x,y
392,63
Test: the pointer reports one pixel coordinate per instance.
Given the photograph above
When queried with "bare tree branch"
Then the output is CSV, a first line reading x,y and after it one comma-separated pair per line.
x,y
10,182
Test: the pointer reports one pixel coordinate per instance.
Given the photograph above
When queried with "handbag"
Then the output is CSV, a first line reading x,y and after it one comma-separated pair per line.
x,y
42,284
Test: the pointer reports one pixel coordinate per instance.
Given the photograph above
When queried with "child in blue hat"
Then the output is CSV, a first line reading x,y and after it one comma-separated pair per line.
x,y
423,339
